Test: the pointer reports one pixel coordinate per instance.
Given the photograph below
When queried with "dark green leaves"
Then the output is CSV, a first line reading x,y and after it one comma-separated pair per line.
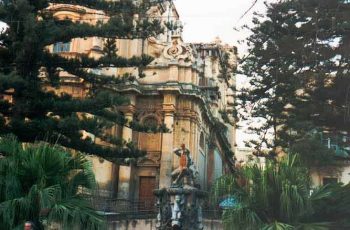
x,y
298,69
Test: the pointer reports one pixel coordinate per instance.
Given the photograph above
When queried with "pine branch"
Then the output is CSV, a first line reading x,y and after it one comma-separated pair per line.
x,y
36,114
83,61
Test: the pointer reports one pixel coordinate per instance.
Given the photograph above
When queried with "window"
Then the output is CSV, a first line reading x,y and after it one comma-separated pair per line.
x,y
329,180
202,142
61,47
218,166
201,165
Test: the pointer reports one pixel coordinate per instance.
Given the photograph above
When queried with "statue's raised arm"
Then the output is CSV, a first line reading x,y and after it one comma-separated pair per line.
x,y
177,151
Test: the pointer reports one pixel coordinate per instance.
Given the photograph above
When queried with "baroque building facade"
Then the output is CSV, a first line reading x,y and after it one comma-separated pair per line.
x,y
187,87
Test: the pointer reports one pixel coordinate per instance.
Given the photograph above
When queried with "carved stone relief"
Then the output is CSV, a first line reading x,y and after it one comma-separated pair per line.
x,y
178,51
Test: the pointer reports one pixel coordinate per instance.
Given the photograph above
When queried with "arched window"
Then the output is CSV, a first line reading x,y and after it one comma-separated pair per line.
x,y
217,164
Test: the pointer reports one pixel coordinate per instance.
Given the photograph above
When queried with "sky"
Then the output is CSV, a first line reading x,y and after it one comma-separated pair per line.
x,y
206,19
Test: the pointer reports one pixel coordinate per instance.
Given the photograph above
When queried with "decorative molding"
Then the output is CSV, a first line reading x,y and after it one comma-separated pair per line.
x,y
142,114
178,51
152,160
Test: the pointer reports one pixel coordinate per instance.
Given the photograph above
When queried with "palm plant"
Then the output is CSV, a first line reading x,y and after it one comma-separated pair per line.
x,y
273,197
42,184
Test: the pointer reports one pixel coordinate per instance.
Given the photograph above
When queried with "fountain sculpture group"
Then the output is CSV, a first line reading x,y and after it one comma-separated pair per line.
x,y
180,205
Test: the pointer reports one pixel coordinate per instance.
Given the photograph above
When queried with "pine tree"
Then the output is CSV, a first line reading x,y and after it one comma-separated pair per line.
x,y
298,69
34,113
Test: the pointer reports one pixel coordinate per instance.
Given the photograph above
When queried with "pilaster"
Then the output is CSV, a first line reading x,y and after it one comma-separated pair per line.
x,y
169,105
126,172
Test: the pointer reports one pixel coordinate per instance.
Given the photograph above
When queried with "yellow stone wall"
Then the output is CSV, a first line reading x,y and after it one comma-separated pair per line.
x,y
106,174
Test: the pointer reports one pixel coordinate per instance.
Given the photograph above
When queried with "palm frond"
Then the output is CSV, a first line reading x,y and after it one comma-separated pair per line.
x,y
39,182
278,226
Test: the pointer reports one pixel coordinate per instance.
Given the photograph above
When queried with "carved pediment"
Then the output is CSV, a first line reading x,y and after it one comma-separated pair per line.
x,y
152,159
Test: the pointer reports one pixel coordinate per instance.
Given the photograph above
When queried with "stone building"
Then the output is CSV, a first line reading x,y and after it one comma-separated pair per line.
x,y
188,87
338,170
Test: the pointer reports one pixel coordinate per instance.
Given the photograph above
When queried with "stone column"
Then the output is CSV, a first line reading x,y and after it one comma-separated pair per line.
x,y
125,179
124,182
210,166
186,129
167,141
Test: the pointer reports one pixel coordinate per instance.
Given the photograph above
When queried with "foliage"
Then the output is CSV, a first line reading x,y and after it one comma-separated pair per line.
x,y
36,113
42,184
334,206
298,69
312,153
277,196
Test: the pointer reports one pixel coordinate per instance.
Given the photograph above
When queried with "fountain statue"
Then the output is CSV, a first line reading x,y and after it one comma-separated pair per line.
x,y
186,169
180,205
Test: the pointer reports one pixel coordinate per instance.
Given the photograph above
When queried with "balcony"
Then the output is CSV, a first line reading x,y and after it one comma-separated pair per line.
x,y
338,143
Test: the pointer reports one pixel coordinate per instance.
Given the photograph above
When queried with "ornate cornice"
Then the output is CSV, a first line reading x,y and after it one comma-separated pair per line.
x,y
73,8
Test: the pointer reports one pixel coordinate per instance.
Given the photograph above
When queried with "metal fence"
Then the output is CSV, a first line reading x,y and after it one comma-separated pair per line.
x,y
121,208
124,208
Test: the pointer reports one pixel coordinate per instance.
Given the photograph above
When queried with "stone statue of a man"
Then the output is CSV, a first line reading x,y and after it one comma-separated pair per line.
x,y
186,167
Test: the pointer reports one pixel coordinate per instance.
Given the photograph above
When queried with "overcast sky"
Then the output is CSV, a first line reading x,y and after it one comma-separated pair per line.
x,y
206,19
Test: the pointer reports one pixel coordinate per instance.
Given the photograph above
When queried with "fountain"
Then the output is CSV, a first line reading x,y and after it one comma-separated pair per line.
x,y
180,205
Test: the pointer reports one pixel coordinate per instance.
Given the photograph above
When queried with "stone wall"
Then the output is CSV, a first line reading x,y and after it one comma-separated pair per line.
x,y
150,224
340,171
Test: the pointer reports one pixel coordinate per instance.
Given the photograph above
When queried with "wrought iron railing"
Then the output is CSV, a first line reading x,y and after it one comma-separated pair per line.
x,y
123,207
146,208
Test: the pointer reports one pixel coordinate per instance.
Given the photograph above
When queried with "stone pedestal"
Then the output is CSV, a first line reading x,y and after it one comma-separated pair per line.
x,y
180,208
